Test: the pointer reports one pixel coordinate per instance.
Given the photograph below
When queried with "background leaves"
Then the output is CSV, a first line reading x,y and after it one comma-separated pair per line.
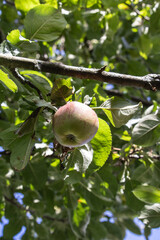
x,y
145,133
93,192
44,23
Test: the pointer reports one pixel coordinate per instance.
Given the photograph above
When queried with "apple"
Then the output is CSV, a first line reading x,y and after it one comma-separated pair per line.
x,y
74,124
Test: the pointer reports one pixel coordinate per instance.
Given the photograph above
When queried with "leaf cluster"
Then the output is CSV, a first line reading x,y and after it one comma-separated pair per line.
x,y
93,192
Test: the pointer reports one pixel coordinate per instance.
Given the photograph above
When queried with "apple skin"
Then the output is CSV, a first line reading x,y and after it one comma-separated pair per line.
x,y
74,124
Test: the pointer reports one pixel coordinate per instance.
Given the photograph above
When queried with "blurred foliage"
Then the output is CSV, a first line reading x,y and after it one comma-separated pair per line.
x,y
96,191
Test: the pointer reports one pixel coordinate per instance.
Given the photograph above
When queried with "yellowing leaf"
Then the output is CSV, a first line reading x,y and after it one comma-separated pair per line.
x,y
123,6
26,5
7,81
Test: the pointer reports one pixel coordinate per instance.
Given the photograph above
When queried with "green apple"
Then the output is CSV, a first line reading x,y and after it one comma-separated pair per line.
x,y
74,124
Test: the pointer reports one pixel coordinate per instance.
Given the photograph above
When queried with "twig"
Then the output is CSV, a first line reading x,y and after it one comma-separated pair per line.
x,y
16,204
9,3
5,152
133,98
132,7
24,208
23,81
149,82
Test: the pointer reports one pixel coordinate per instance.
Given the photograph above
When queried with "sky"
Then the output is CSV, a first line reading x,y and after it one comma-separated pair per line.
x,y
155,233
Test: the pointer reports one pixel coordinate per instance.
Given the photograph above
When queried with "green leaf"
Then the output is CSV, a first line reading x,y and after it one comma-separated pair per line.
x,y
70,199
16,221
60,234
154,23
15,38
151,215
115,231
44,23
97,195
73,177
155,42
4,166
26,5
8,136
113,24
20,151
106,174
119,111
42,231
22,89
90,3
147,231
12,228
146,131
54,3
62,91
2,91
156,171
82,158
36,173
149,174
110,3
20,147
142,174
148,194
8,82
43,103
131,200
39,80
8,14
129,223
30,102
98,230
140,68
145,46
79,219
10,114
101,144
28,126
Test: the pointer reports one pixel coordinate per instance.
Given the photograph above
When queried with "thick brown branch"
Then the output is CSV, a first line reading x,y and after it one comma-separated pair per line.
x,y
149,82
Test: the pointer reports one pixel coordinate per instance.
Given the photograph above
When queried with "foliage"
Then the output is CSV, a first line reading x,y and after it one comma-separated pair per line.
x,y
74,191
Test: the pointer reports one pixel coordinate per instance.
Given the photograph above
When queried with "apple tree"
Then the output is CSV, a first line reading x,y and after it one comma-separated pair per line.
x,y
105,55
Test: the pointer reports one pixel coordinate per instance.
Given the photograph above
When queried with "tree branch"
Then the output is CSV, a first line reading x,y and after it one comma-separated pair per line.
x,y
132,7
9,3
149,82
23,208
133,98
23,81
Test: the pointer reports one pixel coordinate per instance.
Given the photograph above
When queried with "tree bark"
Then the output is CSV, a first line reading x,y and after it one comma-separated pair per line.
x,y
149,82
